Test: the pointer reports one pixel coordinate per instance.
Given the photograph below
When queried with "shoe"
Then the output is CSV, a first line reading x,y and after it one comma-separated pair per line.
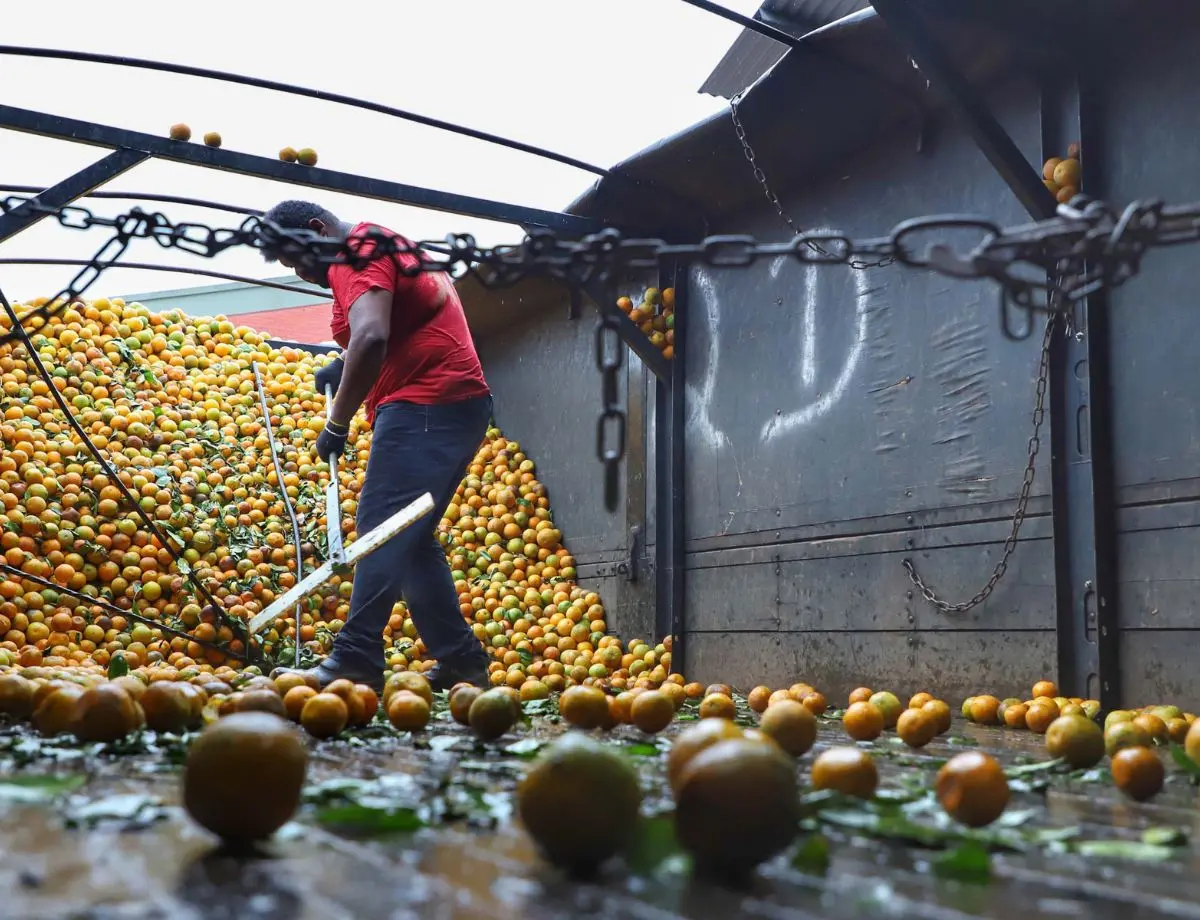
x,y
330,670
444,675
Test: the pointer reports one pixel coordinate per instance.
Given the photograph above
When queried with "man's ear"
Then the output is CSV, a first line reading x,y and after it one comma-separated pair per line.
x,y
317,225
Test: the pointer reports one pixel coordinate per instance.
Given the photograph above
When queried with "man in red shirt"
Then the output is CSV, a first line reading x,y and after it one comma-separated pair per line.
x,y
409,360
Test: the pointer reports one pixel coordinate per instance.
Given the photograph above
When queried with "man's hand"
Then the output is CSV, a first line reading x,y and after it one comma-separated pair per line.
x,y
331,441
330,375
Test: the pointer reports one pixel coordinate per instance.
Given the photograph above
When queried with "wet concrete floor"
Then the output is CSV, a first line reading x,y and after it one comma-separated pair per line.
x,y
111,842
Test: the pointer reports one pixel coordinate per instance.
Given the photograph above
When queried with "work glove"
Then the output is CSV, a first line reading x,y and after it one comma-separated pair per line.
x,y
330,375
331,441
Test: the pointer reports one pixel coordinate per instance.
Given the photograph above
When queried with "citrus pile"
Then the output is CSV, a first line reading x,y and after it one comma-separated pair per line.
x,y
1063,175
655,316
171,402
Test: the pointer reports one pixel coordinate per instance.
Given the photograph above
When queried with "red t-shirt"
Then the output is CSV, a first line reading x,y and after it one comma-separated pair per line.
x,y
430,356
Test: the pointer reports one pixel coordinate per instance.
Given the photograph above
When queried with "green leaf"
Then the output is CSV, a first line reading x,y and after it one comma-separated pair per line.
x,y
812,856
641,749
961,741
1189,766
1165,836
526,747
38,788
1044,766
967,862
652,844
371,820
1132,850
117,666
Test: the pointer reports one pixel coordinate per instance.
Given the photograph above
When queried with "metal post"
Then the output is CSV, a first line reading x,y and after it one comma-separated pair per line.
x,y
28,213
669,419
1084,498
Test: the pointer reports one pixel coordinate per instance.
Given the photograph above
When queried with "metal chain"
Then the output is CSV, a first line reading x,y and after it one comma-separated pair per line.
x,y
761,176
610,357
1010,544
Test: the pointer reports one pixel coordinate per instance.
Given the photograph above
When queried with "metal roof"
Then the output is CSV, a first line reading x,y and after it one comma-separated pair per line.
x,y
753,54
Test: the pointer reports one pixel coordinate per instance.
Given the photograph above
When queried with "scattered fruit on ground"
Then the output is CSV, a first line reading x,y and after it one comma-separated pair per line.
x,y
180,132
491,714
717,706
105,713
695,738
1014,715
916,727
651,711
940,710
1044,687
863,721
585,707
759,698
55,714
1123,734
1040,715
917,700
888,704
1076,739
407,712
168,708
16,696
460,703
550,790
984,709
846,769
212,139
243,776
737,805
859,695
1153,726
324,715
1191,743
972,788
791,725
1138,772
410,681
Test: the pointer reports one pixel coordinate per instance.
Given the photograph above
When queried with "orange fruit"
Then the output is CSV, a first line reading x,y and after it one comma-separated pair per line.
x,y
1177,730
286,681
243,776
1138,772
1153,726
919,699
717,706
55,714
460,702
860,695
1045,687
815,703
1039,716
621,707
491,714
984,709
651,711
262,701
695,738
737,806
672,691
777,696
724,689
888,704
324,715
370,701
294,700
759,698
407,712
940,711
1121,735
105,713
1014,715
848,770
863,721
16,696
586,707
972,788
791,725
1191,742
694,690
407,680
1076,739
168,708
916,727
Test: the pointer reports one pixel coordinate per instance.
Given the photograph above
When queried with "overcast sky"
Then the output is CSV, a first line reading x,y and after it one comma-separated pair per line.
x,y
594,79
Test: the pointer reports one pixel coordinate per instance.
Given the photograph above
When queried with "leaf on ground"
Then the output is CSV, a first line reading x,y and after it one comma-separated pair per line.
x,y
641,749
1165,836
1189,766
526,747
370,820
38,788
540,707
132,810
1044,766
445,742
961,741
1016,818
1133,850
967,862
812,856
652,844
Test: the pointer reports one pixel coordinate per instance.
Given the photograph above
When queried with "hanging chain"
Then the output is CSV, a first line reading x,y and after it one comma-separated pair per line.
x,y
761,176
1039,414
610,357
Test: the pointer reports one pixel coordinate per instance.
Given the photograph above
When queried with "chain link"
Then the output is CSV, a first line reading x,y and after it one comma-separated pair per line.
x,y
1010,544
610,358
752,159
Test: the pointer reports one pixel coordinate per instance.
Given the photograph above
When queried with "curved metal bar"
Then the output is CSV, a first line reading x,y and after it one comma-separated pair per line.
x,y
142,196
207,73
177,269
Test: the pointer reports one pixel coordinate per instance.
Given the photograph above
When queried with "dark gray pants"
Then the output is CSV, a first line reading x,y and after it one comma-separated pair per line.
x,y
414,449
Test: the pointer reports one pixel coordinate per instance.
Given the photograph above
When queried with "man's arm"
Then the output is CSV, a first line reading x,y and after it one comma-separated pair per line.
x,y
370,325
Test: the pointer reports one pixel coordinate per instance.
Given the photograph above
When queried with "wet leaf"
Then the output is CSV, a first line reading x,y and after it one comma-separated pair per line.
x,y
1015,818
445,742
540,707
641,749
967,862
131,810
1133,850
1165,836
1189,766
812,856
1043,766
38,788
370,820
526,747
653,843
961,741
117,666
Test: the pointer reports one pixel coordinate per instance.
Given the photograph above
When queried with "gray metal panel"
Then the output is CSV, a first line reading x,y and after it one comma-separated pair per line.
x,y
547,393
952,665
823,394
1159,667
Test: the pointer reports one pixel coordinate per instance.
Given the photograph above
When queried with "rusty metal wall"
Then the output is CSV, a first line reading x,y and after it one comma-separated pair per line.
x,y
1152,126
841,420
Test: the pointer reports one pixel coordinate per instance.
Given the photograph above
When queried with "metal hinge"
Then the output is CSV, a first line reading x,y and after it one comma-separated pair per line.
x,y
630,568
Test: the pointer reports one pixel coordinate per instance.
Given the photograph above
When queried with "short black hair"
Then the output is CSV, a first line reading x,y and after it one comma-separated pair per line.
x,y
295,214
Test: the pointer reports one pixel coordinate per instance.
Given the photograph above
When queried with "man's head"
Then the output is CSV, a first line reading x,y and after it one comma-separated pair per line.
x,y
303,215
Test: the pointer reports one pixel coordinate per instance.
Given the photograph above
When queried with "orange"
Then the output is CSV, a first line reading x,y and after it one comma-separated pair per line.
x,y
717,706
1153,726
370,701
262,701
777,696
972,788
294,700
168,708
1045,687
919,699
863,721
1039,716
984,709
586,707
723,689
1014,715
407,680
815,703
491,714
324,715
243,776
1122,735
860,695
1138,772
460,702
916,727
790,725
759,698
848,770
1076,739
105,713
55,715
673,692
651,711
1191,742
16,696
940,711
407,712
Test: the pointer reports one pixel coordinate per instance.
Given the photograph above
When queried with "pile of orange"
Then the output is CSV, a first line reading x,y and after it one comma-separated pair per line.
x,y
654,314
171,402
1063,175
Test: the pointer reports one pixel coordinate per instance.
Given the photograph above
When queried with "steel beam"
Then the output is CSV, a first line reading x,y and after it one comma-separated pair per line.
x,y
86,132
27,214
670,536
1084,495
993,141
